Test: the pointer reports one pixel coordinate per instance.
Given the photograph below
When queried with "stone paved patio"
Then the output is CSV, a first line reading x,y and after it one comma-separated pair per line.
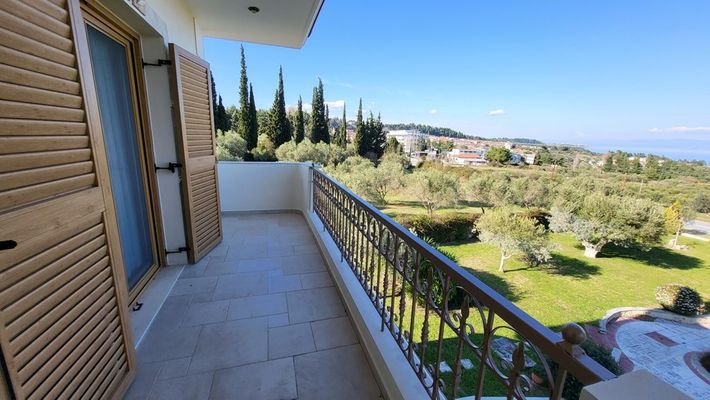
x,y
259,318
660,347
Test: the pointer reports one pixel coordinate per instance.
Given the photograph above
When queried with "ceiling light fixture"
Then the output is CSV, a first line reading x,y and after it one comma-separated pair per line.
x,y
253,9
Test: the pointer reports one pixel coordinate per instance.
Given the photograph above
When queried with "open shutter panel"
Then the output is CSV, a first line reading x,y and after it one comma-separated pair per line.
x,y
192,105
63,324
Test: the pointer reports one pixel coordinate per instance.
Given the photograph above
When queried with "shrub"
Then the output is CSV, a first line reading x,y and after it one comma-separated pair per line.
x,y
534,254
321,153
455,295
442,228
701,203
264,150
598,353
541,217
230,146
680,299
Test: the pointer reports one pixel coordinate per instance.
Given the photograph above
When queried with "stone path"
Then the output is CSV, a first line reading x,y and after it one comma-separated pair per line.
x,y
660,347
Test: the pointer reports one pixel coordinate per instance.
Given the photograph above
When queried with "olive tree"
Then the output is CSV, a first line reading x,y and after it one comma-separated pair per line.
x,y
433,188
230,146
387,177
513,233
676,216
320,153
602,219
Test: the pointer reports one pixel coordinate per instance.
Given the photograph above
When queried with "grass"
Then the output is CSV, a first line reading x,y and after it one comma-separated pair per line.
x,y
702,217
398,206
572,288
578,289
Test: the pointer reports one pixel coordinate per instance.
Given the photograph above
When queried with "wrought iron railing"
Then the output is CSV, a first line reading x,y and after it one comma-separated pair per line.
x,y
443,316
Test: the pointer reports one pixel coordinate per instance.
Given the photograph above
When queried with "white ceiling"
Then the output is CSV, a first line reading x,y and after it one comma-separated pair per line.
x,y
279,22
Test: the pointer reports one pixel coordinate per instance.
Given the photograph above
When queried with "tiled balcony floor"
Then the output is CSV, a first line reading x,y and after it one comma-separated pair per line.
x,y
259,318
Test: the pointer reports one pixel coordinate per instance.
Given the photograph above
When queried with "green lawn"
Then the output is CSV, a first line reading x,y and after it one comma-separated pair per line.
x,y
572,289
400,206
579,289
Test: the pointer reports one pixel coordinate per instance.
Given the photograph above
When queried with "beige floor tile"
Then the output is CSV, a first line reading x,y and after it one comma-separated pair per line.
x,y
206,313
314,304
192,387
270,380
194,286
257,306
290,340
303,263
284,283
143,382
340,373
174,368
230,344
335,332
316,280
222,268
241,285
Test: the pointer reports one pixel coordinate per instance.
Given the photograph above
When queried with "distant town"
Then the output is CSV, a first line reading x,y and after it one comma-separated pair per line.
x,y
463,150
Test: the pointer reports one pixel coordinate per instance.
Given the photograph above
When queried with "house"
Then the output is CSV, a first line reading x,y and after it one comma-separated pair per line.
x,y
410,139
135,264
529,158
471,157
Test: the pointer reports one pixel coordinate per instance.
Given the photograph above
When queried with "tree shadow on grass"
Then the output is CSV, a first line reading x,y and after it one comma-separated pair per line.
x,y
498,283
656,257
572,267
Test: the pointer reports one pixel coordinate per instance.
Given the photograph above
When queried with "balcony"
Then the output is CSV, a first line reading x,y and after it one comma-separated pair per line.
x,y
259,318
314,293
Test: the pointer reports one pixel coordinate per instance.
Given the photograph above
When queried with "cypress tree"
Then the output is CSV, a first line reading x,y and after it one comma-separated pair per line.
x,y
253,133
243,129
214,101
300,128
378,137
221,121
281,129
341,136
319,125
361,140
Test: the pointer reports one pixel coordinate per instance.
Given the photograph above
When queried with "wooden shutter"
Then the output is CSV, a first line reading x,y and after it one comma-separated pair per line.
x,y
192,106
63,324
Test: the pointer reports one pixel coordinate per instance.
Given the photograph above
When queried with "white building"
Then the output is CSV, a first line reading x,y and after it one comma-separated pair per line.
x,y
407,138
471,157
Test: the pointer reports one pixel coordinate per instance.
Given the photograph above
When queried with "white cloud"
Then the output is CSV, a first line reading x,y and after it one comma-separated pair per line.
x,y
294,107
433,111
335,104
681,129
496,112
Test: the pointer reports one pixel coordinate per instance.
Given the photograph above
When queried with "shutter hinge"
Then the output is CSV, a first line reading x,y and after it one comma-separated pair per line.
x,y
179,250
160,63
171,166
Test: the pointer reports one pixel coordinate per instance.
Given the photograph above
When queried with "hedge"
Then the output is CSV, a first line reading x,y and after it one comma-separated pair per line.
x,y
680,299
541,217
442,229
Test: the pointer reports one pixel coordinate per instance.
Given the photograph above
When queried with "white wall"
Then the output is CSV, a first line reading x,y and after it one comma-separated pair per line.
x,y
178,17
263,186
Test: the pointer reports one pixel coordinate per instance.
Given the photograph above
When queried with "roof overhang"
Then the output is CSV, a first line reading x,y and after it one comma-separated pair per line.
x,y
285,23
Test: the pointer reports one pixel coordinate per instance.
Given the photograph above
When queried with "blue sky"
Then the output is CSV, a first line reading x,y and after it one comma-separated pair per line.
x,y
631,74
